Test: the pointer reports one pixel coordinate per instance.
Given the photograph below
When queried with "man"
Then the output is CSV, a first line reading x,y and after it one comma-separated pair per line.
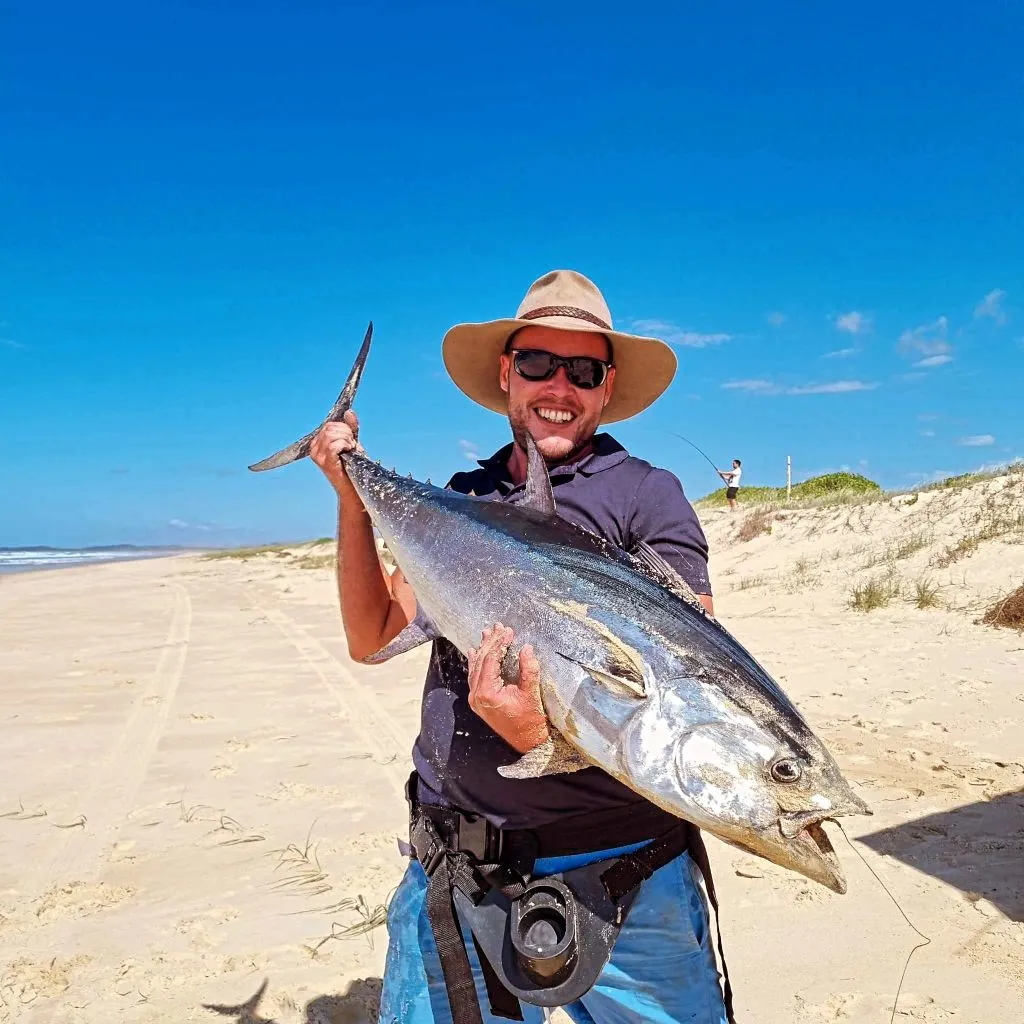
x,y
732,482
557,370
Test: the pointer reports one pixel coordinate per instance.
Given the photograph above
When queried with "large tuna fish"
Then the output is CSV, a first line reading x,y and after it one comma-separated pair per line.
x,y
635,677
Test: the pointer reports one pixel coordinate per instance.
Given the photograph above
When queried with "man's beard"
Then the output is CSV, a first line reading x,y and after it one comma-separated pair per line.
x,y
555,450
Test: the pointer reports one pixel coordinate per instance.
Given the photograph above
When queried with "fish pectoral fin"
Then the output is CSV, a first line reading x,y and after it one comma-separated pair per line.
x,y
555,756
420,631
619,674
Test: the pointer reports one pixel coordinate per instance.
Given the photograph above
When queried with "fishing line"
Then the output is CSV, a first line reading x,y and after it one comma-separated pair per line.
x,y
920,945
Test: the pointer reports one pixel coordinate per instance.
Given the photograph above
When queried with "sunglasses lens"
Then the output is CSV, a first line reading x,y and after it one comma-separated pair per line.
x,y
585,372
534,365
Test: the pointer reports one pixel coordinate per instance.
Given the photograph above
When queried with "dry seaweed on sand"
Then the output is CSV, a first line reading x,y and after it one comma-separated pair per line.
x,y
1007,612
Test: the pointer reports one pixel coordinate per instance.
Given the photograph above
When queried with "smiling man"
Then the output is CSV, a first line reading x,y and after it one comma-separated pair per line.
x,y
557,371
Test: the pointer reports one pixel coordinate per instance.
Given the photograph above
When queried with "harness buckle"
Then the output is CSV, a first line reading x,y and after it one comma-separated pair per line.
x,y
477,837
427,844
432,860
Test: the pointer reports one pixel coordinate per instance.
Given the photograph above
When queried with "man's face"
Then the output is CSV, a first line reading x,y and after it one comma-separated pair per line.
x,y
561,417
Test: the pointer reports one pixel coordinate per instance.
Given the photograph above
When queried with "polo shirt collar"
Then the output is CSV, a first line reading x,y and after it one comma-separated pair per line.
x,y
605,453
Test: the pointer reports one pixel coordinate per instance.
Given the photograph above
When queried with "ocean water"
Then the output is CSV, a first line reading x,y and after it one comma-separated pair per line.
x,y
32,559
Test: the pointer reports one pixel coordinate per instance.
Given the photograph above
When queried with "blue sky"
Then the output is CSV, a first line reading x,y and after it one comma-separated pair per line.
x,y
202,205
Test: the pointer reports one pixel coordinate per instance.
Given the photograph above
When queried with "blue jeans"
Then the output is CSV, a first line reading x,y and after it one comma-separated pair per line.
x,y
662,969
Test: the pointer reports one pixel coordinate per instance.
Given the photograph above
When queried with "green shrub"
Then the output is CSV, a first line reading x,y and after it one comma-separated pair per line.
x,y
841,486
821,486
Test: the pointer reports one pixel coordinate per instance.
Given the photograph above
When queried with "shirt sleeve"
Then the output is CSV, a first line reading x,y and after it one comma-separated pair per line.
x,y
664,518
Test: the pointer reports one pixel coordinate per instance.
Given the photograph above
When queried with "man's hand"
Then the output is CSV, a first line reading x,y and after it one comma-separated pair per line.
x,y
513,710
330,442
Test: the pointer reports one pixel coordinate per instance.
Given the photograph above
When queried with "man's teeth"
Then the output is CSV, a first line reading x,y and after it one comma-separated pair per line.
x,y
555,415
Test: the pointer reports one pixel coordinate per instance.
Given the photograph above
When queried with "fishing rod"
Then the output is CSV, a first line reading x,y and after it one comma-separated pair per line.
x,y
692,445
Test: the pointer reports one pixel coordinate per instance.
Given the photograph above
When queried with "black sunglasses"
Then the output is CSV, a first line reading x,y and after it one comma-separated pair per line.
x,y
583,371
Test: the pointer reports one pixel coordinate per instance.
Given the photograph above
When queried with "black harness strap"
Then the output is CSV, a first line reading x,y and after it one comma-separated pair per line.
x,y
445,868
634,869
458,975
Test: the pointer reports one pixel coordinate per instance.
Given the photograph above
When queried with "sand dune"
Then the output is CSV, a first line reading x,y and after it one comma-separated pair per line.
x,y
201,792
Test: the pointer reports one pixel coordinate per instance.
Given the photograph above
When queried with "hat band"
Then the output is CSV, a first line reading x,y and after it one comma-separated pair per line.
x,y
570,311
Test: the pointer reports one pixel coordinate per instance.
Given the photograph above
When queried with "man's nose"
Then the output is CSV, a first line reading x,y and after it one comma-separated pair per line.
x,y
560,379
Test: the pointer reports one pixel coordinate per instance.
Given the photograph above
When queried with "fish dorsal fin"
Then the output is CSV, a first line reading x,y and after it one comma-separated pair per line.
x,y
538,484
655,567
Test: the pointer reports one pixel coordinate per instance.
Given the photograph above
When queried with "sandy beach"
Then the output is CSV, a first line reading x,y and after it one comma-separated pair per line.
x,y
201,792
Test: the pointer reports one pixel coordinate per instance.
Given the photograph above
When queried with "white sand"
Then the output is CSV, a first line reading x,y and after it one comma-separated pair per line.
x,y
177,734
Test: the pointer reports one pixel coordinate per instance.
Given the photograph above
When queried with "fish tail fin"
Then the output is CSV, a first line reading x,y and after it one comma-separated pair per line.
x,y
300,449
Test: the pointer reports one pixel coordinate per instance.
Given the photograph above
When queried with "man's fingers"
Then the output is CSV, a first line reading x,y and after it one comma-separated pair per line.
x,y
484,662
338,435
529,669
331,441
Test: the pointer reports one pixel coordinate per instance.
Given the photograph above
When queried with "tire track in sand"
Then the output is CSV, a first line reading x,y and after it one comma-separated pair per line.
x,y
110,798
351,694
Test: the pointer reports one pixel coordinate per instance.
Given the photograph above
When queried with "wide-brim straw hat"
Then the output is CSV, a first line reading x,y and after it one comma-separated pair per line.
x,y
565,299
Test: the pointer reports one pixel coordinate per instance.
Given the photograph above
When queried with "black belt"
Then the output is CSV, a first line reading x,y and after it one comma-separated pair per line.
x,y
485,870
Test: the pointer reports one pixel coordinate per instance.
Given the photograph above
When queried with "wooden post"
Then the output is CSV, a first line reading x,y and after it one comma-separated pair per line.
x,y
789,478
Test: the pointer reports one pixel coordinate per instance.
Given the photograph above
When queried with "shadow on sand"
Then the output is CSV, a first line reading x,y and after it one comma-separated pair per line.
x,y
978,848
358,1004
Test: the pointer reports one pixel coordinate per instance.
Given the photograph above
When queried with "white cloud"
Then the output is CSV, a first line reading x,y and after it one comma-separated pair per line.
x,y
928,340
837,387
991,306
927,417
939,360
676,335
10,343
180,524
469,449
841,353
776,319
767,387
927,433
853,322
694,339
977,441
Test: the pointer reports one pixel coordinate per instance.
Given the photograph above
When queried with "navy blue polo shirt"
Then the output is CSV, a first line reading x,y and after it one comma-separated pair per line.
x,y
619,497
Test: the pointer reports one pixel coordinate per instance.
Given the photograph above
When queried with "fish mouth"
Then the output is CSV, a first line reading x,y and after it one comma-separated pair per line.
x,y
821,863
814,851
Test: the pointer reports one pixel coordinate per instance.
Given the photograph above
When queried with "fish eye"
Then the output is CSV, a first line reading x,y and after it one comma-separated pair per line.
x,y
786,770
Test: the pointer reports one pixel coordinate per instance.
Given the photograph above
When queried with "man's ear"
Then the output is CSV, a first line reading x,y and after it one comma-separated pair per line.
x,y
609,386
504,365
